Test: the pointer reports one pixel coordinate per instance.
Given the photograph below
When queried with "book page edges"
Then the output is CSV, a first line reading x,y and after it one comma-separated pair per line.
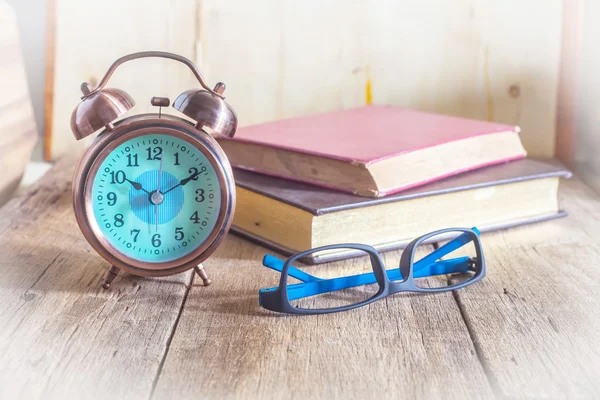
x,y
330,257
411,218
391,175
442,161
296,229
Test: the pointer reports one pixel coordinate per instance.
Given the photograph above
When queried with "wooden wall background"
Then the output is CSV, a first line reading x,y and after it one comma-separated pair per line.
x,y
578,141
483,59
18,133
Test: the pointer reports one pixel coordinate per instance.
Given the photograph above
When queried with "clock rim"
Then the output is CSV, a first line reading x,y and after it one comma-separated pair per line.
x,y
125,130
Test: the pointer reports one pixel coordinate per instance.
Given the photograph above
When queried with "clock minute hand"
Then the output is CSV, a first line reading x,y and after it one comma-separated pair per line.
x,y
189,178
184,181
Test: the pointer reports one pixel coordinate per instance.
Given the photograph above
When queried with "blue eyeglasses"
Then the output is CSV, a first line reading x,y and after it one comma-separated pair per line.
x,y
455,263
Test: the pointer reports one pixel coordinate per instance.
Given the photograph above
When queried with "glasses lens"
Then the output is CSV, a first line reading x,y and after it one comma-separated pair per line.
x,y
342,283
446,260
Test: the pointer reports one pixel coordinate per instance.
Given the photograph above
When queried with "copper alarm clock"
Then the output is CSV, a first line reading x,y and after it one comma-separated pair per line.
x,y
154,194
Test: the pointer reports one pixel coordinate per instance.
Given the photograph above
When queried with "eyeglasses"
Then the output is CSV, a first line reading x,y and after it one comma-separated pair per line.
x,y
455,263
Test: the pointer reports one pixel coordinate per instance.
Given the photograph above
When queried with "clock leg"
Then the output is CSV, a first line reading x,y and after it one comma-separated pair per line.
x,y
110,276
202,274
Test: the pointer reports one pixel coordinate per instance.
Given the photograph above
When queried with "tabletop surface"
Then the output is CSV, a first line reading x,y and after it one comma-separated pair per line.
x,y
530,329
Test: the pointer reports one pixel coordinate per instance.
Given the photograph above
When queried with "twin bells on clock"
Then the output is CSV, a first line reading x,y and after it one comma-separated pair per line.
x,y
101,107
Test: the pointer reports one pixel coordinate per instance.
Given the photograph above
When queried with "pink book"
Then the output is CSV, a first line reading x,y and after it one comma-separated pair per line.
x,y
372,151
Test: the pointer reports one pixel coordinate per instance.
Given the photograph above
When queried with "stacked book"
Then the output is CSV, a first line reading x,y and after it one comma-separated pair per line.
x,y
383,175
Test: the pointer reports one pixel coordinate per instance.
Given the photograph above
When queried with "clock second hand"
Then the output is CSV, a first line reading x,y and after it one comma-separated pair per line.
x,y
158,190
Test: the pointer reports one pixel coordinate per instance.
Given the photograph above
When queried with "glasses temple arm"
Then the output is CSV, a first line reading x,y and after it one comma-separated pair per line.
x,y
297,291
446,249
276,264
427,266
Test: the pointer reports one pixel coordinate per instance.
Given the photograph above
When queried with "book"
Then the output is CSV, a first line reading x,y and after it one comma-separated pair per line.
x,y
291,217
372,151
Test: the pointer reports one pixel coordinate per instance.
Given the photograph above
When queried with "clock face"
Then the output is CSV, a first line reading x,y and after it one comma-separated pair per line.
x,y
155,198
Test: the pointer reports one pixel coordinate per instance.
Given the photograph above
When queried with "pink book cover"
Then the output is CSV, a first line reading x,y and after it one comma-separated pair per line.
x,y
368,134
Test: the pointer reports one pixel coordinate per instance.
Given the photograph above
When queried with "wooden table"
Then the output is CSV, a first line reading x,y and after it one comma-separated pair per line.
x,y
530,329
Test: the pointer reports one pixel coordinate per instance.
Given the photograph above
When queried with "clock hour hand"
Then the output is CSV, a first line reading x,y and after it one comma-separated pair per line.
x,y
184,181
136,185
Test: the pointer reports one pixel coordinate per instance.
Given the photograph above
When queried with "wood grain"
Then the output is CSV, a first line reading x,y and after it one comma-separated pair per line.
x,y
580,94
18,132
479,59
227,346
49,78
528,330
535,318
61,335
570,59
137,26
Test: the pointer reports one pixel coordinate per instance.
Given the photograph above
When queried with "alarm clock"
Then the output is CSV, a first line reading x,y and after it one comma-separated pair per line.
x,y
154,194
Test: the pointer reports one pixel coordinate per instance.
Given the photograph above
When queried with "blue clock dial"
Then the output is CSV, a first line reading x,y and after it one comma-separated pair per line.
x,y
156,198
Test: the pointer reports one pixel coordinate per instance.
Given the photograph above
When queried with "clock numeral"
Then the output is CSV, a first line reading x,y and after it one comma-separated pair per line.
x,y
154,153
132,160
117,177
177,159
200,195
193,171
195,217
119,220
112,198
156,240
179,234
135,233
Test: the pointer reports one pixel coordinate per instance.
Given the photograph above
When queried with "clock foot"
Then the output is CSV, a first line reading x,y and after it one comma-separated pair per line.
x,y
110,276
202,274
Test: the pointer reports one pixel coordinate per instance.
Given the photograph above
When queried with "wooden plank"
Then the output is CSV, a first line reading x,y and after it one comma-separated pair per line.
x,y
49,78
584,95
138,25
226,346
61,335
481,59
570,60
535,318
18,132
532,323
469,58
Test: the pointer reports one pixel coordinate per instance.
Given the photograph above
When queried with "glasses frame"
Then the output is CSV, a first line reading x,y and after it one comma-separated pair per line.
x,y
277,298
